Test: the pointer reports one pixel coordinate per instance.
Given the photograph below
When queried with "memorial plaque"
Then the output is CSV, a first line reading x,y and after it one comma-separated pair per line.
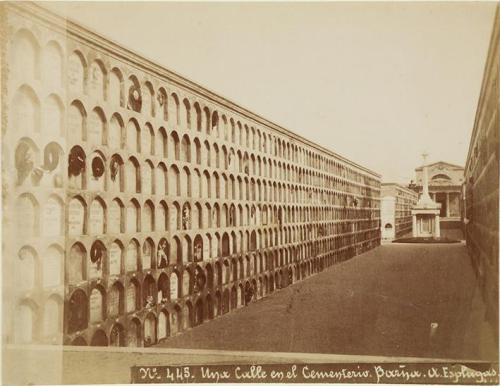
x,y
96,218
52,218
52,267
131,299
76,214
95,305
115,259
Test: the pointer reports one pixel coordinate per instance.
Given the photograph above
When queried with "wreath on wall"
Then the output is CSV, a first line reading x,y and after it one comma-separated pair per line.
x,y
97,167
76,163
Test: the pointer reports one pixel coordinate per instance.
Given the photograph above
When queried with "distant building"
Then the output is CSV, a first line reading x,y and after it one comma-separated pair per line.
x,y
395,207
445,188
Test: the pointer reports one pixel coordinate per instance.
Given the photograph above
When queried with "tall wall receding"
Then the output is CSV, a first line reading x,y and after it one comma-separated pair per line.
x,y
482,181
398,218
138,204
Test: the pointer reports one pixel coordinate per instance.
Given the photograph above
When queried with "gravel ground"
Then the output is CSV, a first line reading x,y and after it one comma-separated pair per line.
x,y
383,302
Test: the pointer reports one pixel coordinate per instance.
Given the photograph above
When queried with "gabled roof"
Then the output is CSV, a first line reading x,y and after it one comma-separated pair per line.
x,y
447,164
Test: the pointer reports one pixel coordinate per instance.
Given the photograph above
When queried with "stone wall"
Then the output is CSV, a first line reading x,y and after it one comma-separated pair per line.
x,y
139,205
482,181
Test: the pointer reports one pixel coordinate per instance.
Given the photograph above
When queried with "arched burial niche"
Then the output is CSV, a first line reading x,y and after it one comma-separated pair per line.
x,y
77,73
162,254
76,168
200,280
52,318
27,216
115,300
25,327
99,339
174,286
53,64
117,336
134,100
149,330
97,259
198,248
148,254
52,266
52,217
132,296
97,175
53,165
76,216
53,117
133,216
163,325
97,80
26,268
163,289
115,258
95,128
115,91
132,256
25,55
96,305
27,159
134,333
77,311
116,172
26,111
76,264
97,217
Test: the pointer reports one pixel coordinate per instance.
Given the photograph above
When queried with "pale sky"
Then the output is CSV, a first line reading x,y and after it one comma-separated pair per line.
x,y
378,83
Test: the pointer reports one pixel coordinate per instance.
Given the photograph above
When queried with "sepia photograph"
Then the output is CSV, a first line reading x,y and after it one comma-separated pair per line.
x,y
250,192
